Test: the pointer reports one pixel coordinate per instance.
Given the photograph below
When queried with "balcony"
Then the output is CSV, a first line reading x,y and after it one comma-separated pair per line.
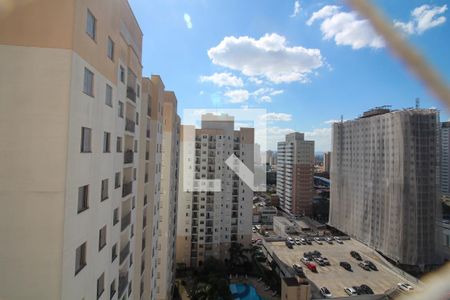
x,y
126,220
127,188
124,252
128,156
131,94
147,155
123,283
129,125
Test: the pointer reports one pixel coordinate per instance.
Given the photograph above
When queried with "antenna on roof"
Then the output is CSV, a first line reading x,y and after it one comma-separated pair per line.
x,y
417,103
342,118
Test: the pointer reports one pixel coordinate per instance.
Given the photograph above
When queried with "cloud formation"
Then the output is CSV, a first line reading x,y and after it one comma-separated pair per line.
x,y
296,11
346,28
269,57
422,18
237,96
187,20
276,117
321,138
223,79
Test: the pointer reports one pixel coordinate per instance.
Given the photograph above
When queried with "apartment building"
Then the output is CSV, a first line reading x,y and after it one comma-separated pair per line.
x,y
81,152
169,194
385,182
295,174
445,161
214,204
327,162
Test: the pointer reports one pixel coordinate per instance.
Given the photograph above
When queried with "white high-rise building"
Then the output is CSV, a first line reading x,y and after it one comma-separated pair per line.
x,y
295,174
208,221
445,161
385,182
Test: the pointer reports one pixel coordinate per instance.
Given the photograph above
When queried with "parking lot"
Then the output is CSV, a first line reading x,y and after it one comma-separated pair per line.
x,y
334,277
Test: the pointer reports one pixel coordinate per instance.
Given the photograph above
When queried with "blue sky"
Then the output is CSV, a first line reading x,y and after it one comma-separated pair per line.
x,y
274,54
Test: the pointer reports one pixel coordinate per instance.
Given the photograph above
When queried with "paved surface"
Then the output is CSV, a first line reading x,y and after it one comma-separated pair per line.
x,y
334,277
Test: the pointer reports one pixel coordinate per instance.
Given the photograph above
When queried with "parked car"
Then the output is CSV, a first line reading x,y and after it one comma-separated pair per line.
x,y
346,265
329,240
365,289
338,240
298,269
254,230
303,241
350,291
291,240
326,261
297,241
405,286
311,267
371,265
308,241
318,241
364,266
319,261
355,255
289,244
305,260
325,292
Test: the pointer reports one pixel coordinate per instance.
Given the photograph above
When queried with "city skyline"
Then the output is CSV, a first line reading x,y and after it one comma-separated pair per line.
x,y
205,78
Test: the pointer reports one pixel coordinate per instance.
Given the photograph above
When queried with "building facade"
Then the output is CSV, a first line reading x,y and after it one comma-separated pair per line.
x,y
327,162
80,176
215,206
385,175
445,161
295,173
169,195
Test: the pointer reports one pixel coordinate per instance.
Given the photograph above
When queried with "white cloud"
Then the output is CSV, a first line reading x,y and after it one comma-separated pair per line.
x,y
255,80
423,18
276,117
266,99
237,96
276,92
268,56
321,138
188,20
202,92
223,79
346,28
273,135
296,9
333,121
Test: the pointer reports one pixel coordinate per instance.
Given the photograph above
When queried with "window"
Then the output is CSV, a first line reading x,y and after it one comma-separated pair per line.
x,y
80,258
114,252
83,198
91,24
119,144
100,285
102,238
122,74
88,83
138,92
112,289
106,142
110,50
117,180
85,139
116,216
104,195
120,109
108,95
137,118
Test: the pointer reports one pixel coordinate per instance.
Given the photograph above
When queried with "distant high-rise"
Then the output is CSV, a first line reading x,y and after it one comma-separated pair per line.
x,y
295,174
210,221
385,182
445,160
327,162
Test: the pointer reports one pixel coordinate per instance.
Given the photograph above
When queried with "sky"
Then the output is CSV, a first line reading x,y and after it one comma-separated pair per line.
x,y
306,62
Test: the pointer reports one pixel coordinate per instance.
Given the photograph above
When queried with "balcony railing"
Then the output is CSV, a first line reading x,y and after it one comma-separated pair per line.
x,y
128,156
129,125
123,283
124,252
131,93
127,188
126,220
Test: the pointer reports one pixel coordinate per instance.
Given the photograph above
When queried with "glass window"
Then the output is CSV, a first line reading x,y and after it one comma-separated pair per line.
x,y
106,142
104,195
102,238
110,50
91,24
88,83
83,198
80,258
100,285
108,95
85,139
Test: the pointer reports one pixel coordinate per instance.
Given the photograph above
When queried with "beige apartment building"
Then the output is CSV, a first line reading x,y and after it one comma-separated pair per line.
x,y
214,204
295,174
169,193
81,145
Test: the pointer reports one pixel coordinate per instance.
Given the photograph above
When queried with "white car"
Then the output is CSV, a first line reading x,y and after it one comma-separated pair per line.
x,y
405,286
290,240
338,240
350,291
297,241
318,241
254,230
325,292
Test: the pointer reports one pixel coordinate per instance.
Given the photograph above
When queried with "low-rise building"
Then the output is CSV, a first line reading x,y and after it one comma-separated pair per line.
x,y
267,214
283,227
